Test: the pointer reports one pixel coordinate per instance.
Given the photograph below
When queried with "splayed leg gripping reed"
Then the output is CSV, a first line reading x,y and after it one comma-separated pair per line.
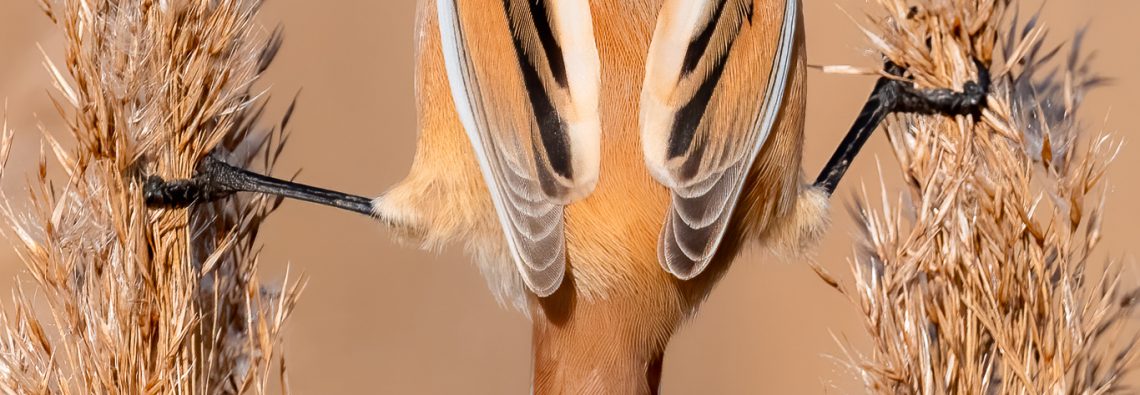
x,y
216,179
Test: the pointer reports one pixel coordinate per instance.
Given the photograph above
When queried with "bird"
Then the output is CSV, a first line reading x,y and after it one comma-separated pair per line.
x,y
608,159
604,162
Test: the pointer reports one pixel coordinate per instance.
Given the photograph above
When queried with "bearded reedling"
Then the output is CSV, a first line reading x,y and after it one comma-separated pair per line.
x,y
605,160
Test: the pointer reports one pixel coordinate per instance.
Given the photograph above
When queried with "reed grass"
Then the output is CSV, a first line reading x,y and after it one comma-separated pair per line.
x,y
977,276
125,298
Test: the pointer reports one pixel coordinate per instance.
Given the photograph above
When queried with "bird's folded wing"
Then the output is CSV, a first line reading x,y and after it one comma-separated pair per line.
x,y
715,79
525,77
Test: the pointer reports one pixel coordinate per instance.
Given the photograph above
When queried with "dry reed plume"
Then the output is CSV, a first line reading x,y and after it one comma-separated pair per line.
x,y
977,279
128,299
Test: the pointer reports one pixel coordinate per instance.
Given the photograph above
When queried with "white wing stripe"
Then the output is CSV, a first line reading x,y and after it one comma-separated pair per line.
x,y
456,61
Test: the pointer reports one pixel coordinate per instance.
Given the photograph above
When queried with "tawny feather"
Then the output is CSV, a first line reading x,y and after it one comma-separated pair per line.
x,y
524,78
715,82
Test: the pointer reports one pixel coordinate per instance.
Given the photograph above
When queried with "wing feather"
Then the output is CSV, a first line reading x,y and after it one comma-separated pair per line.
x,y
524,76
714,85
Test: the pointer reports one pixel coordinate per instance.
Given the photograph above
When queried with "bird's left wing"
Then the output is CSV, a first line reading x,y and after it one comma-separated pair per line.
x,y
525,76
714,86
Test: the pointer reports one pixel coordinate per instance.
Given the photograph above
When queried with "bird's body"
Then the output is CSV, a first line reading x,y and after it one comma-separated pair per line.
x,y
605,161
604,326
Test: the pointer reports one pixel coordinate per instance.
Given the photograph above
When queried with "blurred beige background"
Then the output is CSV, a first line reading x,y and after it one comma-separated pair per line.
x,y
377,318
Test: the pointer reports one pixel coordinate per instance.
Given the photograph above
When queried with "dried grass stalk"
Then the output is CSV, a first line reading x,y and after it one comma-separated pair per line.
x,y
977,279
128,299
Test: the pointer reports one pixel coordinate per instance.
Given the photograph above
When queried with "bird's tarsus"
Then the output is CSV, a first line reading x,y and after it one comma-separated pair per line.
x,y
893,95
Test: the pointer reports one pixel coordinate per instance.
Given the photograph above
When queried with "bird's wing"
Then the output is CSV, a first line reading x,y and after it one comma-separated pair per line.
x,y
525,78
715,80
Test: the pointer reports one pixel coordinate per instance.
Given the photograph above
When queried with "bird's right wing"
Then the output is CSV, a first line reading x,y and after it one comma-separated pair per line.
x,y
715,79
525,77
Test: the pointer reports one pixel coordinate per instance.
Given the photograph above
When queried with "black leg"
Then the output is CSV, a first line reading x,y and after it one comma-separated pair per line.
x,y
216,179
892,95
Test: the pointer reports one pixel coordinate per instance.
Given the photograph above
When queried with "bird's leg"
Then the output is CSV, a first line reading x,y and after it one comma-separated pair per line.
x,y
215,179
894,95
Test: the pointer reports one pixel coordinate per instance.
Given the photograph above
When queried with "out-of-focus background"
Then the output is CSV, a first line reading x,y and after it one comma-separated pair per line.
x,y
378,318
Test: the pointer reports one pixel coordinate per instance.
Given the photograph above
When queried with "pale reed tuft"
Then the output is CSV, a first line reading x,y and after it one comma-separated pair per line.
x,y
977,279
125,298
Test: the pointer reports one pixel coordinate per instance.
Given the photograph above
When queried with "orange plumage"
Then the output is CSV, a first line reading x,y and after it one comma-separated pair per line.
x,y
605,328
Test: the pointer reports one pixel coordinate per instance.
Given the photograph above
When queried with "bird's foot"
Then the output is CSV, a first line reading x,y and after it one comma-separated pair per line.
x,y
215,179
896,95
210,183
900,96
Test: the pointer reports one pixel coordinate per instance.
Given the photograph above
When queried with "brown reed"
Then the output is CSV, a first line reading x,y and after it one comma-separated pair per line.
x,y
125,298
977,279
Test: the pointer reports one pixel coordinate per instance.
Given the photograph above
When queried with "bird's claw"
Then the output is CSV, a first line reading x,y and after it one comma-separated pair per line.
x,y
181,193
